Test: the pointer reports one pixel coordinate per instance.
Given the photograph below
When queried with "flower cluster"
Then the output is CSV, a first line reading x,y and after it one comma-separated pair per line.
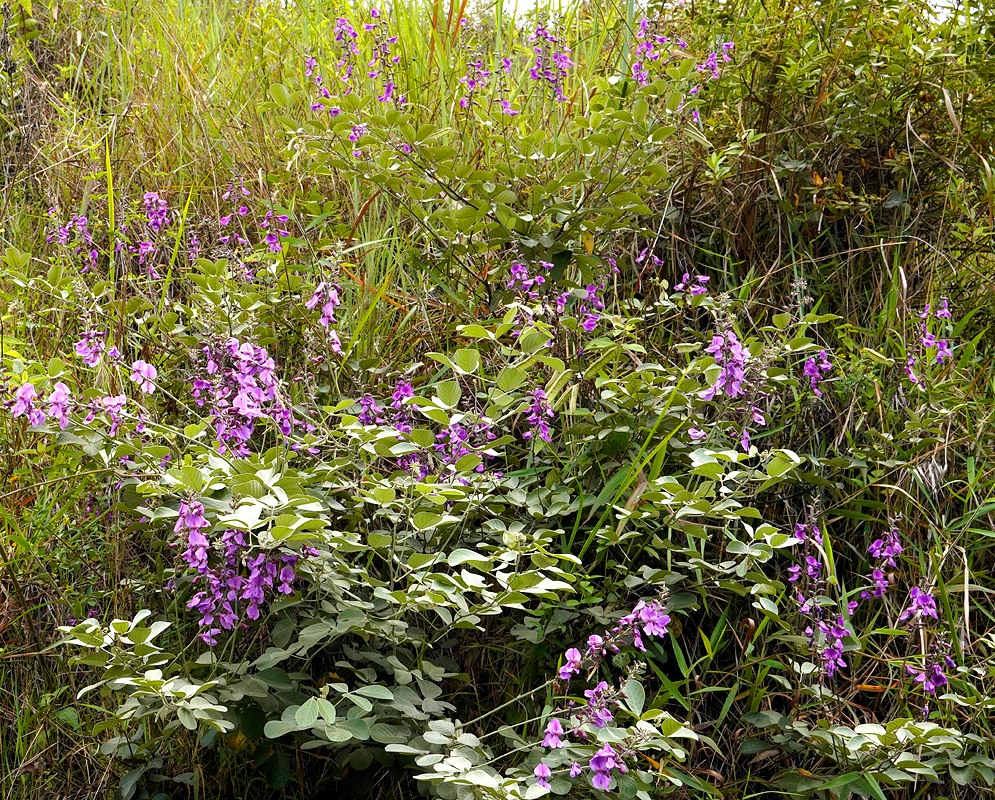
x,y
884,552
466,435
522,281
652,48
74,236
693,286
729,354
274,234
711,63
144,374
825,634
236,381
236,208
932,675
928,347
539,413
473,81
503,74
930,670
647,618
156,212
90,347
327,295
384,62
813,371
237,582
552,57
921,604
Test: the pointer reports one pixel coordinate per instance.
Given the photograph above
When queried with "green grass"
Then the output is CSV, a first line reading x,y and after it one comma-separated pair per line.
x,y
140,96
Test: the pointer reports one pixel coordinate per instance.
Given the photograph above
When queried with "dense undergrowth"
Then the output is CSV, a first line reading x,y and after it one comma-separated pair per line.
x,y
422,401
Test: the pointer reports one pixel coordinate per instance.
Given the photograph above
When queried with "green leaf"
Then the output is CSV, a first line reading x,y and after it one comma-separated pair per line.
x,y
424,520
510,379
253,723
376,691
276,728
307,714
466,361
449,393
280,95
635,696
776,467
277,769
326,709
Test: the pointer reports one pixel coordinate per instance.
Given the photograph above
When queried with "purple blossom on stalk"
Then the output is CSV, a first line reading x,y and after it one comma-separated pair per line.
x,y
575,769
327,296
90,347
554,730
59,403
113,406
814,369
24,405
884,550
572,665
931,678
922,604
238,383
370,411
831,652
602,764
523,282
597,711
543,773
729,354
144,374
651,47
273,237
695,287
595,646
473,82
806,532
552,59
156,213
383,63
539,413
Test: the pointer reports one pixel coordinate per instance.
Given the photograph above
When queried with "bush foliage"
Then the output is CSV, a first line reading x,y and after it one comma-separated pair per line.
x,y
427,401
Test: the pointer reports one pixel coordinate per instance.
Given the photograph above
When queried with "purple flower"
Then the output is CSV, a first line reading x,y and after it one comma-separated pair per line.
x,y
597,705
539,413
554,730
403,391
602,763
575,769
143,374
90,347
729,354
696,434
59,402
814,369
652,618
922,604
543,773
572,665
155,211
931,678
